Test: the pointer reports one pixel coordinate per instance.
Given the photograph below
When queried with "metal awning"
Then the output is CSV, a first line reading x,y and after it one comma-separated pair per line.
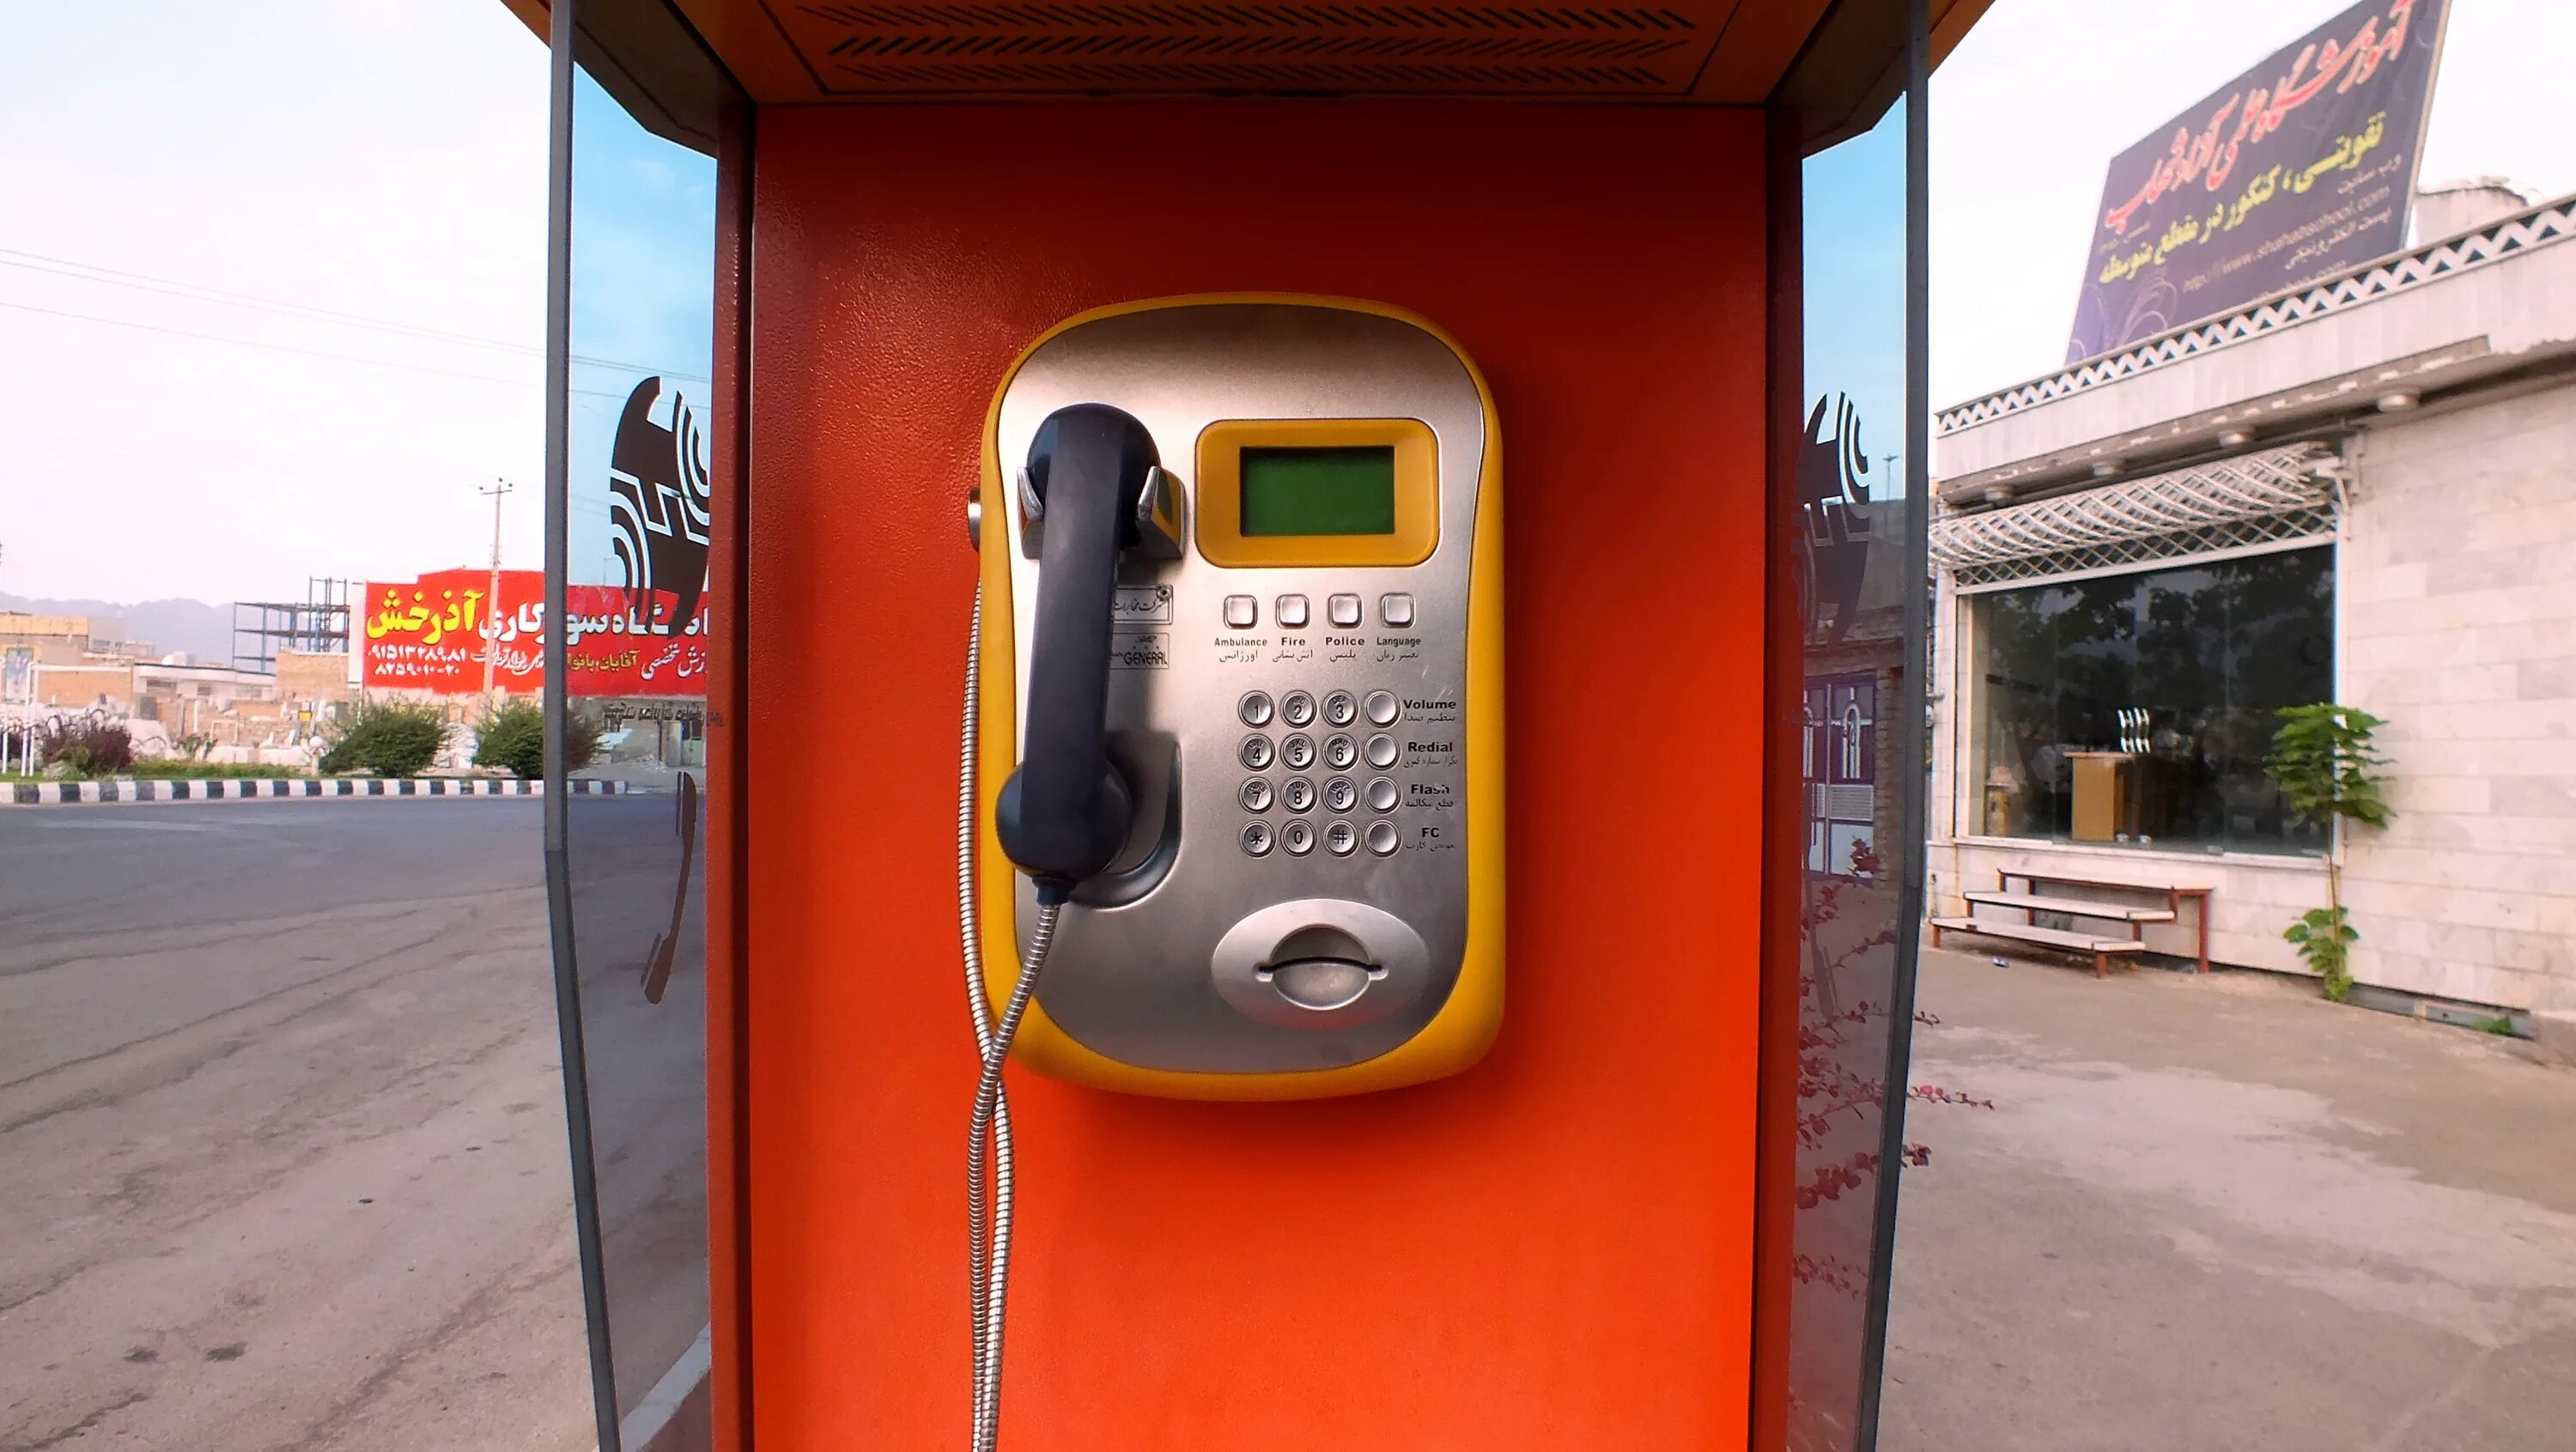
x,y
2270,495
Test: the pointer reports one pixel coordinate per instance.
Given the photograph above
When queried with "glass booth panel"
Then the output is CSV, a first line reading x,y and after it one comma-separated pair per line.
x,y
639,294
1860,609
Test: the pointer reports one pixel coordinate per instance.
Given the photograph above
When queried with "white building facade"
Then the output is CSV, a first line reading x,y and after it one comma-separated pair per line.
x,y
2362,491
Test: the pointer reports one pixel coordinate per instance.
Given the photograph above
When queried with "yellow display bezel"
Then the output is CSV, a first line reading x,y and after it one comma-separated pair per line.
x,y
1220,492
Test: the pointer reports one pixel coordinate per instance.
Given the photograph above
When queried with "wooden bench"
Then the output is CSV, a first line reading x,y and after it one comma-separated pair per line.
x,y
2034,902
2100,949
2174,895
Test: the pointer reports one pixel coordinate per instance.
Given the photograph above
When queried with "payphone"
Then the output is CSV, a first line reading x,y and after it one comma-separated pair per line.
x,y
1234,698
1240,699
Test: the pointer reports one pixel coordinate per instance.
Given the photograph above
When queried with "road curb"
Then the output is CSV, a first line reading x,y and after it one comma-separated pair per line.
x,y
83,793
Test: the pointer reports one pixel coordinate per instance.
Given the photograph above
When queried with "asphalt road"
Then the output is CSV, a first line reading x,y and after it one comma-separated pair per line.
x,y
2222,1213
282,1122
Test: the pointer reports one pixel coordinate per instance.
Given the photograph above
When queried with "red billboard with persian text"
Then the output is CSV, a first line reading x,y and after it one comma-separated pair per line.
x,y
430,634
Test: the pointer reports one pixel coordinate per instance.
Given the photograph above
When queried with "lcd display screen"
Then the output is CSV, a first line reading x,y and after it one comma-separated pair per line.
x,y
1319,491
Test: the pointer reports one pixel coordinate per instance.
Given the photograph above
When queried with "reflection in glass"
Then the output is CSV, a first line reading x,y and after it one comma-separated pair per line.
x,y
2135,709
641,301
1849,553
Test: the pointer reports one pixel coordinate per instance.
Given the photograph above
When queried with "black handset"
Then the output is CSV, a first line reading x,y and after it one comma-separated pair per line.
x,y
1065,811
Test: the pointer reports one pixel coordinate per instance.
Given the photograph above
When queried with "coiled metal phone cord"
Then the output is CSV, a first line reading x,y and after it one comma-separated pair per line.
x,y
988,1236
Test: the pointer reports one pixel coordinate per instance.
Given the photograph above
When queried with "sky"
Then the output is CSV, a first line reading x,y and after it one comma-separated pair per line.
x,y
383,161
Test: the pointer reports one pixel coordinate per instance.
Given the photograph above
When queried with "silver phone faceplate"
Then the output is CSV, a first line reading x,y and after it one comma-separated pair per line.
x,y
1137,980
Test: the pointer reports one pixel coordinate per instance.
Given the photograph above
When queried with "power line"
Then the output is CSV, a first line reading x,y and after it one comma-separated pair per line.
x,y
300,352
199,292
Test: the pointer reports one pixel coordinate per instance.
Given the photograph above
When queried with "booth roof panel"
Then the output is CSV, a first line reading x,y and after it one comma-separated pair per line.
x,y
1703,52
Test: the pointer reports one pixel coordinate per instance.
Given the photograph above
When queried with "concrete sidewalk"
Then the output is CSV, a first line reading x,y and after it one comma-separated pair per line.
x,y
2222,1213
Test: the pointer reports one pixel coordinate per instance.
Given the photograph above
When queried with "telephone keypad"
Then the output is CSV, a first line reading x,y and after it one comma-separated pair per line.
x,y
1340,797
1298,752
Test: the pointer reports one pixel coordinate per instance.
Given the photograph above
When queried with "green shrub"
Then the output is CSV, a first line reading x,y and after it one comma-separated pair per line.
x,y
185,768
512,737
89,748
389,738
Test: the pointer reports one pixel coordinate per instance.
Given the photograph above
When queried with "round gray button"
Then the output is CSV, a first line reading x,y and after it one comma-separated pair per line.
x,y
1340,794
1381,708
1254,708
1381,838
1298,795
1256,795
1297,709
1382,795
1340,709
1298,752
1340,752
1256,840
1298,838
1381,750
1256,753
1341,839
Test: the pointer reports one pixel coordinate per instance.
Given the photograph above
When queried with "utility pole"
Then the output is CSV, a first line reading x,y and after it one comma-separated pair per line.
x,y
492,594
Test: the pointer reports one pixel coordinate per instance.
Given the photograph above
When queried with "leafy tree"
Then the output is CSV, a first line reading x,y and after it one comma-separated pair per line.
x,y
388,738
2325,762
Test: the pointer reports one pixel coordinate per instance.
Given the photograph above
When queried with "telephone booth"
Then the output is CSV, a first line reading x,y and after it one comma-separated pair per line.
x,y
1394,532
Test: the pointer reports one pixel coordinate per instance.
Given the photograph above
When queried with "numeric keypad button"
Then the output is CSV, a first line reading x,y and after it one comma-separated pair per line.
x,y
1341,839
1256,795
1298,795
1256,840
1298,838
1297,709
1297,752
1253,709
1340,752
1341,794
1256,752
1341,708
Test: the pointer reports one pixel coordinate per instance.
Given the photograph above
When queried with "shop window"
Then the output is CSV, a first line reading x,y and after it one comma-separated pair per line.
x,y
2135,709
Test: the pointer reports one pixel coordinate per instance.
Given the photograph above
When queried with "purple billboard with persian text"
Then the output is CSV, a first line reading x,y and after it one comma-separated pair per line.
x,y
2298,169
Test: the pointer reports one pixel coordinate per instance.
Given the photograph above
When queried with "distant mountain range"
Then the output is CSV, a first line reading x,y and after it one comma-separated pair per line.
x,y
202,630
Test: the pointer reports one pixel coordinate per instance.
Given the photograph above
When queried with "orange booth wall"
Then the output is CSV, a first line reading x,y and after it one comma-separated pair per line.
x,y
1553,1250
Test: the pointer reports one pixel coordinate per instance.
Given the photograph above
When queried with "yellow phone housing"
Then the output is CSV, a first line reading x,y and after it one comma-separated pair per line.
x,y
1455,1034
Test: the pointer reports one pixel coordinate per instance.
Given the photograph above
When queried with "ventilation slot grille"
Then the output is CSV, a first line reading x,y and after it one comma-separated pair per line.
x,y
895,49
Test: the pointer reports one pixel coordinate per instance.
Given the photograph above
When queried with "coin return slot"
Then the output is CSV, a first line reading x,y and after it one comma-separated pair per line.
x,y
1320,968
